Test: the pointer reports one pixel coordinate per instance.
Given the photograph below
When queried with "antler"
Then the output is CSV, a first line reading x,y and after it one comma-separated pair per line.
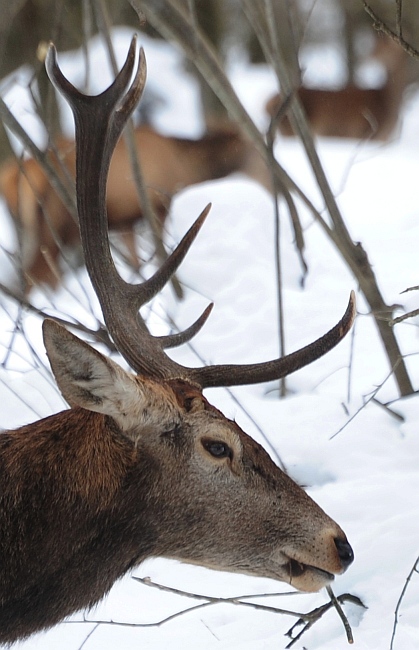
x,y
99,123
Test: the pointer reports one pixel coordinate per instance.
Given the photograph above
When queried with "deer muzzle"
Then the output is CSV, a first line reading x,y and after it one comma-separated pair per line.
x,y
332,559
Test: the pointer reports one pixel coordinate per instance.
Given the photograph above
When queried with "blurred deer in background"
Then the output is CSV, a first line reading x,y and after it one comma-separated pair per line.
x,y
353,112
143,465
168,165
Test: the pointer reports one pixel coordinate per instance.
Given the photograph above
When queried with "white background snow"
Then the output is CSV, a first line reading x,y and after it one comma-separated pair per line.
x,y
367,476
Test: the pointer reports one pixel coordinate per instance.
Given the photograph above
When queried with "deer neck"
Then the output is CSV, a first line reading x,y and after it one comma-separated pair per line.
x,y
63,484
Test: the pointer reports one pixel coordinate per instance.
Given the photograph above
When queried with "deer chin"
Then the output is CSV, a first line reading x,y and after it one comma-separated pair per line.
x,y
306,577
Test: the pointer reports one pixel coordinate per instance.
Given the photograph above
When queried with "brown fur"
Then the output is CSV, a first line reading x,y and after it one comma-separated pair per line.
x,y
168,164
353,112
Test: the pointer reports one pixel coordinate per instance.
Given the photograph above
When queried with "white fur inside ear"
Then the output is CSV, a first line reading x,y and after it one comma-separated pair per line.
x,y
88,379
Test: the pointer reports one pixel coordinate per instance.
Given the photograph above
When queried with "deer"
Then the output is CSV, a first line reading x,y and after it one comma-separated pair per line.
x,y
169,164
142,464
351,111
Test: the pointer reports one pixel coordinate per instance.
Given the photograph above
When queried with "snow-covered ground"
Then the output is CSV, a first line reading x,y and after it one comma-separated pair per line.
x,y
360,464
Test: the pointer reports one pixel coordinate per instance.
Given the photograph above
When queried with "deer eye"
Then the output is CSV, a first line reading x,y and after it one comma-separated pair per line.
x,y
217,448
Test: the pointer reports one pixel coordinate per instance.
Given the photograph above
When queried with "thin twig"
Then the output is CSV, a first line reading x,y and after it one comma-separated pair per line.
x,y
361,408
400,319
171,617
414,569
316,614
342,616
234,600
100,335
278,271
351,361
380,26
307,619
416,288
66,195
399,5
148,213
92,631
397,416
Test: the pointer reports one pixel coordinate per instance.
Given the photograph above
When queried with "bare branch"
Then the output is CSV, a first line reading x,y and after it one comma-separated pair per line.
x,y
100,335
307,619
380,26
400,319
342,616
316,614
66,195
416,288
414,569
92,631
103,23
361,408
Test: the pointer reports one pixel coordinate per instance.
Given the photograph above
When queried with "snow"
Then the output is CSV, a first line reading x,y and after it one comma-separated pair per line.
x,y
360,464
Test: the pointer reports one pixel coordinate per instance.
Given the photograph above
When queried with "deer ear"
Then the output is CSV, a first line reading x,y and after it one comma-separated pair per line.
x,y
85,377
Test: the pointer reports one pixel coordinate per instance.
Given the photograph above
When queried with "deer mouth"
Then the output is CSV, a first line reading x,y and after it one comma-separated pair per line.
x,y
297,569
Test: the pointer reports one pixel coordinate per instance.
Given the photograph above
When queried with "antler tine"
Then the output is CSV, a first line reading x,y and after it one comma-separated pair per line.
x,y
151,287
236,375
116,111
174,340
99,122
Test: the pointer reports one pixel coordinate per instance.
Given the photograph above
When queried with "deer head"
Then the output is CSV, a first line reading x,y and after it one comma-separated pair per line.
x,y
143,465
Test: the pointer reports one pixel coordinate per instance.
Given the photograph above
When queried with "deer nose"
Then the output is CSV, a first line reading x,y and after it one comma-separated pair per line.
x,y
345,552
